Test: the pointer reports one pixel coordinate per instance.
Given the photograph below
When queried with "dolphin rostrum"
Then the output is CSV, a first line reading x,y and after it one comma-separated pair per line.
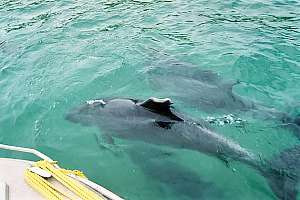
x,y
154,121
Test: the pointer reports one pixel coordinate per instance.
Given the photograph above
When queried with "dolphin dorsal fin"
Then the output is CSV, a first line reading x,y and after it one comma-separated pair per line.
x,y
160,106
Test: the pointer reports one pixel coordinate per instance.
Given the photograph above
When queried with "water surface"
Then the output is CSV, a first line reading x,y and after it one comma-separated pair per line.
x,y
57,54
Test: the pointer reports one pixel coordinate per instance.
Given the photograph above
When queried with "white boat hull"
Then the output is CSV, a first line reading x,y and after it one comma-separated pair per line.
x,y
12,174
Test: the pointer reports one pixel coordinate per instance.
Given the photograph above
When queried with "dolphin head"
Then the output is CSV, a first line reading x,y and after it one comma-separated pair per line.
x,y
103,112
85,113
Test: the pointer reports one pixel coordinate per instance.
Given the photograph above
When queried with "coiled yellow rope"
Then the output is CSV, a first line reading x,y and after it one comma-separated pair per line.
x,y
52,192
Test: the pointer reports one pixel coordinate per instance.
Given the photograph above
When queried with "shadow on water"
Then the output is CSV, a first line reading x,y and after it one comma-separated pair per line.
x,y
181,181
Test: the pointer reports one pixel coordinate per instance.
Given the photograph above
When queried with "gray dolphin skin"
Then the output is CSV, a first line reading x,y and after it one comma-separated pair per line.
x,y
154,121
183,182
205,90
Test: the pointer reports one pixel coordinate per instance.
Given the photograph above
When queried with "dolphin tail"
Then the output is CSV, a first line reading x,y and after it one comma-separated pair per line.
x,y
283,173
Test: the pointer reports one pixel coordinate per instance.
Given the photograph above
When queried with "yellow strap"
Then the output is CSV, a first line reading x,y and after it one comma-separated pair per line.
x,y
50,191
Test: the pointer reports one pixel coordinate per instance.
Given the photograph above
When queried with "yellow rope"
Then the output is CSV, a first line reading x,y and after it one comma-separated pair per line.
x,y
51,192
41,186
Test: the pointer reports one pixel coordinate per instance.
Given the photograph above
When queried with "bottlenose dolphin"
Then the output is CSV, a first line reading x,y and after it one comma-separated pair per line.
x,y
183,182
154,121
210,93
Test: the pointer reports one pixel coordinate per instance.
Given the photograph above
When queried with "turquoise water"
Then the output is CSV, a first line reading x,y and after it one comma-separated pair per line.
x,y
55,55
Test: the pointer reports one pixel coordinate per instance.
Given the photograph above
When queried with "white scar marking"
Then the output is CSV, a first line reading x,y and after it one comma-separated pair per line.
x,y
90,102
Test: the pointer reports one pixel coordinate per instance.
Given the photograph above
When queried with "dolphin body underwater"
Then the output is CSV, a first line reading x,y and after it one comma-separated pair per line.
x,y
154,121
182,181
205,90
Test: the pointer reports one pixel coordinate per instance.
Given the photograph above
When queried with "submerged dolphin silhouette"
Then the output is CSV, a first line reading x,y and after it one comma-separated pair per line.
x,y
209,92
181,180
154,121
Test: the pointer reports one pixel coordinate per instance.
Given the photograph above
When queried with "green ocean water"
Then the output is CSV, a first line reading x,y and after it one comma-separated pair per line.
x,y
54,55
